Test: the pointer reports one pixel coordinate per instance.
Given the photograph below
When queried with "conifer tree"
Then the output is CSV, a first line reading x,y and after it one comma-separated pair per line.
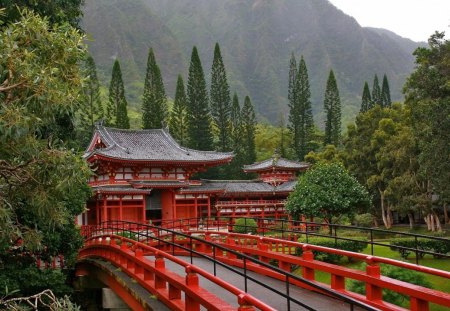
x,y
154,108
91,106
198,112
235,168
178,117
385,93
376,92
292,84
332,107
366,102
117,103
220,101
248,131
300,114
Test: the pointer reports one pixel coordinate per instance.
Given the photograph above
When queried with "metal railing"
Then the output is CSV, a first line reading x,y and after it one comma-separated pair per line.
x,y
168,240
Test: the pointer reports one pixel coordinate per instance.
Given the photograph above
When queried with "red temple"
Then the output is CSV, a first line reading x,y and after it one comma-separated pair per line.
x,y
143,175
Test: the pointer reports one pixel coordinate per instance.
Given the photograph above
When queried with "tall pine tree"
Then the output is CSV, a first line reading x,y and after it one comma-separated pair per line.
x,y
366,102
248,131
154,107
332,109
220,101
178,116
198,112
385,93
376,92
292,84
237,142
301,121
91,108
117,103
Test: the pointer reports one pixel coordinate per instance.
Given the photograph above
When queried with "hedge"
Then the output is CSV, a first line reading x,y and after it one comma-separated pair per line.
x,y
424,244
245,225
353,246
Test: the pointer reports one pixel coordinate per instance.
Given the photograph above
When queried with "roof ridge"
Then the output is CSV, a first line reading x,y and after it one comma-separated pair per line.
x,y
106,129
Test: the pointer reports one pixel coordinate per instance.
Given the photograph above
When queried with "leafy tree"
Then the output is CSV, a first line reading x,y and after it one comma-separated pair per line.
x,y
385,93
332,107
248,131
220,101
198,112
178,117
154,108
300,114
427,93
42,183
117,107
91,108
366,102
57,11
329,154
327,191
376,92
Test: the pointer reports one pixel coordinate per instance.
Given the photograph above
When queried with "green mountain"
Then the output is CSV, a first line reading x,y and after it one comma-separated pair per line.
x,y
256,39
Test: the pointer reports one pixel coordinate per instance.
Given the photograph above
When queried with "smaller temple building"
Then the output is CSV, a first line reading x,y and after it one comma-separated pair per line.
x,y
142,175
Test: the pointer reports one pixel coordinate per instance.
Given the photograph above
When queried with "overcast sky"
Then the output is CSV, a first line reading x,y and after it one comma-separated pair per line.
x,y
413,19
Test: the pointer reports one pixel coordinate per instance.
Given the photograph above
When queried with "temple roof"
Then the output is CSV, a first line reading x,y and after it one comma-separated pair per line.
x,y
155,145
119,190
238,187
276,163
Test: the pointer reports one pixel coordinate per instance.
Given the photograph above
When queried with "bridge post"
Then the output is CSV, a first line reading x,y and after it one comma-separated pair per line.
x,y
417,304
373,292
208,248
139,254
193,282
230,241
263,247
243,304
308,273
160,265
124,248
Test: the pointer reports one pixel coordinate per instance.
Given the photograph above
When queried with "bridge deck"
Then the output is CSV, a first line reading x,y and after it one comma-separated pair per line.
x,y
312,299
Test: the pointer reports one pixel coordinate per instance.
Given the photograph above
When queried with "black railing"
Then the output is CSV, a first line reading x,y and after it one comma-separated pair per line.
x,y
142,232
284,228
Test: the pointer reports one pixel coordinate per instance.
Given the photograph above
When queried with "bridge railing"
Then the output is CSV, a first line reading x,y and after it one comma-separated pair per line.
x,y
178,243
285,228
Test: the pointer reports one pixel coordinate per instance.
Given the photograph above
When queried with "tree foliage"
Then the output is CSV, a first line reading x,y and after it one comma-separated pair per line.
x,y
178,116
376,92
42,183
332,107
91,109
198,112
117,107
154,106
385,93
366,102
328,191
301,122
248,131
220,101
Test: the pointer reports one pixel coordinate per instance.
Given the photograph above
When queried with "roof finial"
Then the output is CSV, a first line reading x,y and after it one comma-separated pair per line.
x,y
276,156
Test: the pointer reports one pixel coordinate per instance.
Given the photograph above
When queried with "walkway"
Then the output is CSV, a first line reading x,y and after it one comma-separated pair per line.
x,y
315,300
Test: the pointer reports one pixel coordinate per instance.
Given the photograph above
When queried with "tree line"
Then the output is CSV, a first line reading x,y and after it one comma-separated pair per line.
x,y
198,119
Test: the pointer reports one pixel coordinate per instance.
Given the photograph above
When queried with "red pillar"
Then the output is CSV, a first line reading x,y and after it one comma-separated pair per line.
x,y
105,211
144,220
209,206
120,209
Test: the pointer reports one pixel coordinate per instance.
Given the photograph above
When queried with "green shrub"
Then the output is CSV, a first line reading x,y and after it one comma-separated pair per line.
x,y
364,220
436,246
128,235
406,275
353,246
245,225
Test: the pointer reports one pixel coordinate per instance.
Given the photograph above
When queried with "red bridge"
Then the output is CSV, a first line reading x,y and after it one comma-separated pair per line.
x,y
208,267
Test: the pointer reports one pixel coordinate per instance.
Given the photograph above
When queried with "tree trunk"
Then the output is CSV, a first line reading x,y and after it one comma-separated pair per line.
x,y
411,220
375,221
430,216
386,221
427,221
437,222
389,215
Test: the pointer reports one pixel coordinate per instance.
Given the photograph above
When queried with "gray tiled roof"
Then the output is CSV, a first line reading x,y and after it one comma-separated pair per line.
x,y
239,186
150,145
119,189
159,183
276,162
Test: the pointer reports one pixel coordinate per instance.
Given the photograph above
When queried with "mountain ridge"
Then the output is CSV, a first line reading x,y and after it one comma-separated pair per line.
x,y
256,40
